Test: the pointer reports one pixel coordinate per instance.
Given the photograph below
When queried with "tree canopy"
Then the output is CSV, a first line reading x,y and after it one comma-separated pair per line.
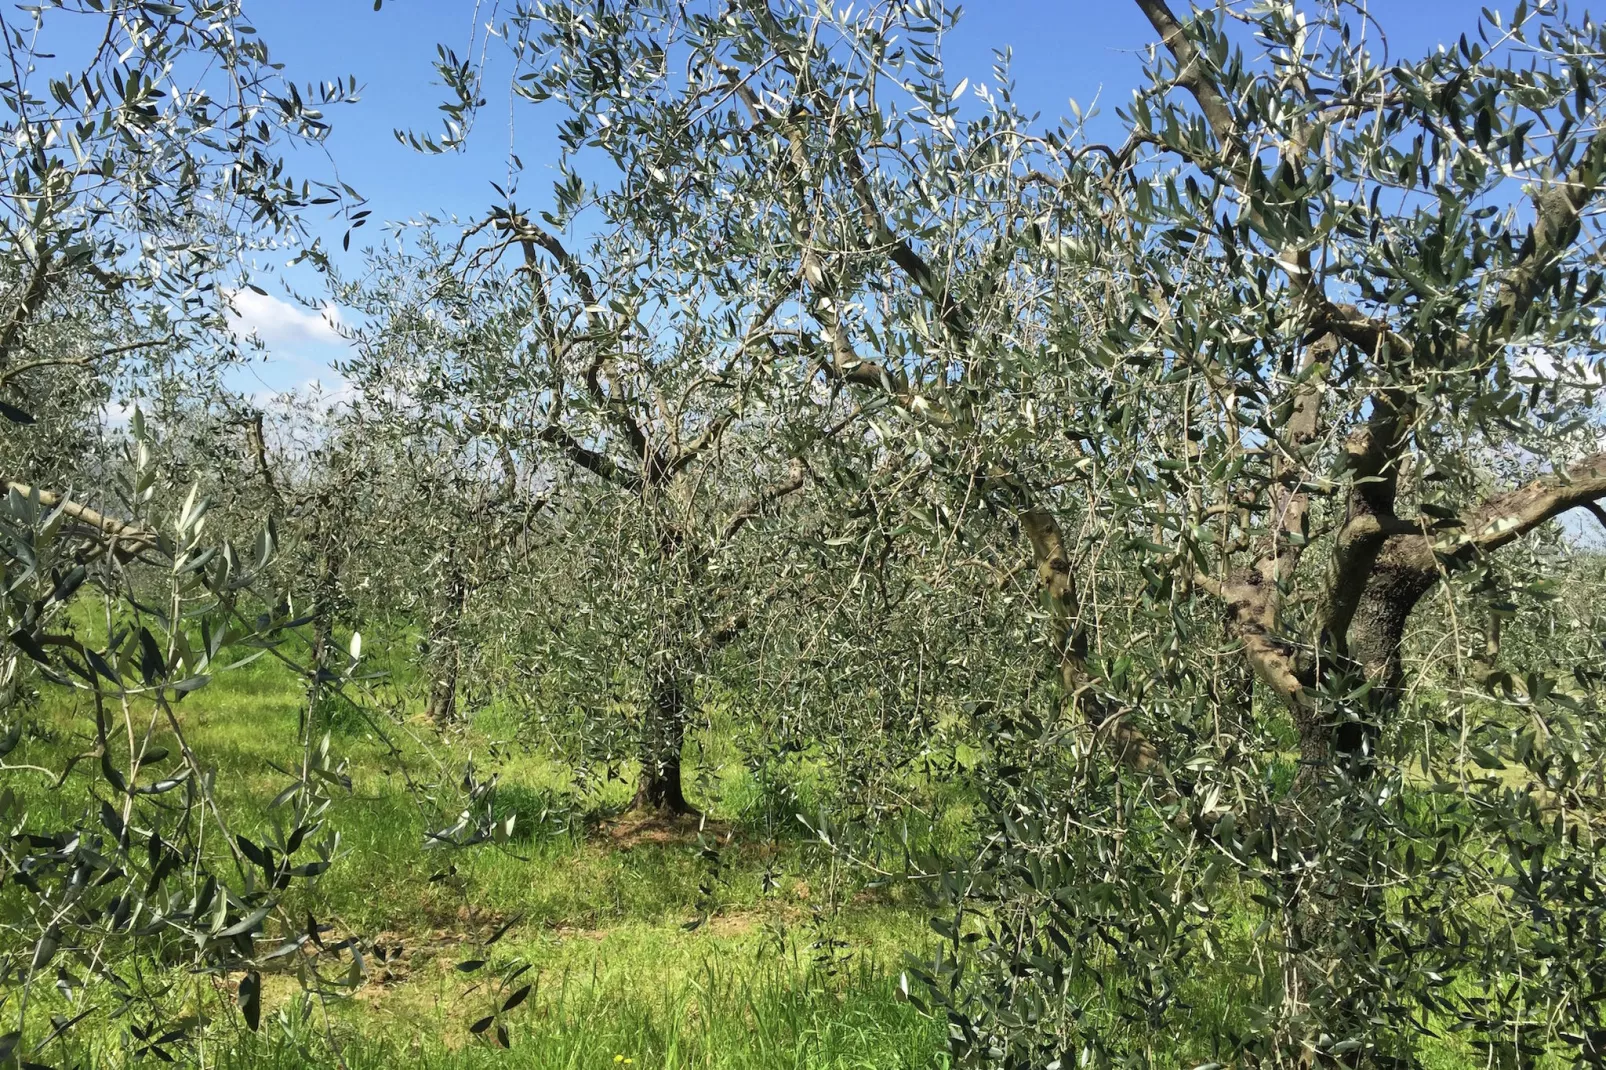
x,y
1214,513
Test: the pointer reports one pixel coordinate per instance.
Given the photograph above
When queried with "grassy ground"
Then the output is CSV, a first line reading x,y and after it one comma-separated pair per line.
x,y
731,944
642,950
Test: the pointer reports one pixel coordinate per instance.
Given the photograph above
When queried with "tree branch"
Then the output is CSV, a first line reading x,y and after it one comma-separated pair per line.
x,y
754,507
125,537
32,296
593,461
1557,210
930,284
257,442
1373,458
1193,75
653,464
1070,635
45,362
1500,520
1507,517
527,231
697,446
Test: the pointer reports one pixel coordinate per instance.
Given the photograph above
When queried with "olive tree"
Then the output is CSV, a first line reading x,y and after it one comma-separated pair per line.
x,y
142,154
597,370
143,147
1360,328
1316,340
133,614
1388,331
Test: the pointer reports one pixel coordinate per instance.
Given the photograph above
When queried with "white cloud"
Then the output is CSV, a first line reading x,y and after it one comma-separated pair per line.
x,y
279,322
115,415
321,395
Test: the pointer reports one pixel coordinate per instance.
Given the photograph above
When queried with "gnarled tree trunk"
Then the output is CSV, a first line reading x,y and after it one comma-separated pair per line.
x,y
1377,636
663,738
444,656
442,705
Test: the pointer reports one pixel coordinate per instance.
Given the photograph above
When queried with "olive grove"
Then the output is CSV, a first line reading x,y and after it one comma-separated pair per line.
x,y
1194,535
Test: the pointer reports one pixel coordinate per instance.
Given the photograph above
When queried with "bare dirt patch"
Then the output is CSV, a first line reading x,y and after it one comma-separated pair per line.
x,y
636,828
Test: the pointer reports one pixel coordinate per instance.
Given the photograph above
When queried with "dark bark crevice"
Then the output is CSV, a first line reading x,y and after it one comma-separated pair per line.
x,y
1375,647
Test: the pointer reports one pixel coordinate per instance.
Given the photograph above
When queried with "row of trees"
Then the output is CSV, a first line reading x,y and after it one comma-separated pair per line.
x,y
1205,484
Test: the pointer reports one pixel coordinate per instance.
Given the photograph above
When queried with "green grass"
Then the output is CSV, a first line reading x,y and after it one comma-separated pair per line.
x,y
689,1008
635,949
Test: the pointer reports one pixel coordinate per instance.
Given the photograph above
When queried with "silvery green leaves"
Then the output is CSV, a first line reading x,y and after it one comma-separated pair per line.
x,y
133,613
142,148
1325,405
1316,340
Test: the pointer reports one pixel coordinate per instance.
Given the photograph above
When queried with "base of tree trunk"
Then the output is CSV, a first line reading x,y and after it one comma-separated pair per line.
x,y
664,735
660,791
442,707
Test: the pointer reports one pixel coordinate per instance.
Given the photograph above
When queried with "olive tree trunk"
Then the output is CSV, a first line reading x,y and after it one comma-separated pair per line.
x,y
663,738
444,655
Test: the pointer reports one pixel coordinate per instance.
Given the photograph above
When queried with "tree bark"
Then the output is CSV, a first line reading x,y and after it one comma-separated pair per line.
x,y
444,656
1072,646
442,706
663,738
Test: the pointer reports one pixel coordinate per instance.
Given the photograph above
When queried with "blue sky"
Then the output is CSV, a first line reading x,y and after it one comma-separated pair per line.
x,y
1063,49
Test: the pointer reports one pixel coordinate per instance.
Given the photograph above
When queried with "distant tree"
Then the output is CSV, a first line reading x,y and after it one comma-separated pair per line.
x,y
597,367
814,158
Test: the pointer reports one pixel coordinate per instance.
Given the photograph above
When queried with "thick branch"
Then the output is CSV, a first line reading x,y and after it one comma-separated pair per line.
x,y
1290,501
1507,517
126,537
17,370
32,296
259,452
1558,210
1193,74
1254,595
1374,453
688,453
1070,635
653,465
531,232
932,286
845,364
734,625
1408,567
538,295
